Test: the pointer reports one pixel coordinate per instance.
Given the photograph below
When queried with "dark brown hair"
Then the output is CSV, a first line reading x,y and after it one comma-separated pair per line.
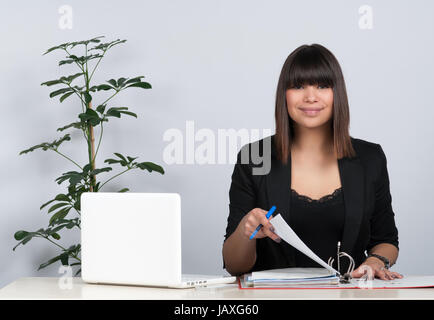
x,y
313,64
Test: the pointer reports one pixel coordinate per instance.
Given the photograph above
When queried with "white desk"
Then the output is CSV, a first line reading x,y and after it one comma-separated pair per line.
x,y
48,288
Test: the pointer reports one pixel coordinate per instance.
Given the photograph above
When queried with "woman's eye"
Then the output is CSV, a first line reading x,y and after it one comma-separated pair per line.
x,y
319,87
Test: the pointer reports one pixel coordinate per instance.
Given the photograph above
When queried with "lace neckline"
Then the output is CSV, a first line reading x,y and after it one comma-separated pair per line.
x,y
323,199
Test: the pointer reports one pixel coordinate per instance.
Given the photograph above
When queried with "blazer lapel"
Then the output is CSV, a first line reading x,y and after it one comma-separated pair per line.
x,y
352,179
278,182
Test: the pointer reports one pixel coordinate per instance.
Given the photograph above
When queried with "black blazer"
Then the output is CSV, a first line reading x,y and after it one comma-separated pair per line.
x,y
369,218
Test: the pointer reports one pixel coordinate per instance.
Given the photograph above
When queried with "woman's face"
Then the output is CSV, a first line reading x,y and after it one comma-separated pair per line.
x,y
310,105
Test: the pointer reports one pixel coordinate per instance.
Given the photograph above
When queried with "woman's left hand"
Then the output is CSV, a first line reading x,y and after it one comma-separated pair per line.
x,y
375,268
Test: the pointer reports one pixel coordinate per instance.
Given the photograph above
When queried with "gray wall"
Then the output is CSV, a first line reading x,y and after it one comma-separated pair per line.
x,y
215,63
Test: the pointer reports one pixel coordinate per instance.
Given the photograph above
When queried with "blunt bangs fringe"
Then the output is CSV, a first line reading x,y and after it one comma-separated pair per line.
x,y
310,67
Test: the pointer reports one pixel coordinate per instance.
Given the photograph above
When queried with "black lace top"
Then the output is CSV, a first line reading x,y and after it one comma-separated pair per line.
x,y
319,223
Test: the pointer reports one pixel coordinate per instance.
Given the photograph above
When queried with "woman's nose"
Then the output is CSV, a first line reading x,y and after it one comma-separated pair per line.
x,y
309,94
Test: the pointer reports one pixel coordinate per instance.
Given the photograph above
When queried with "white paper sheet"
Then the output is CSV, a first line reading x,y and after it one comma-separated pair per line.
x,y
291,273
284,231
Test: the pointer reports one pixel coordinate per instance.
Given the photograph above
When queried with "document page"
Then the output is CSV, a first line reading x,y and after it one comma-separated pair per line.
x,y
284,231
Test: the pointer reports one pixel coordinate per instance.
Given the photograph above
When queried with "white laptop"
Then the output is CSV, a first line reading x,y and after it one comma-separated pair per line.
x,y
135,239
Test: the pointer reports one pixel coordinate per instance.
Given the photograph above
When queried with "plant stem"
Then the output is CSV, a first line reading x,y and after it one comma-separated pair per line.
x,y
91,137
114,177
111,96
68,158
80,66
91,152
75,91
54,243
100,137
73,255
97,65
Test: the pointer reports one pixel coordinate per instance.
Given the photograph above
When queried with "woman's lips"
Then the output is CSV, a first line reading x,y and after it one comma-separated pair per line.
x,y
311,112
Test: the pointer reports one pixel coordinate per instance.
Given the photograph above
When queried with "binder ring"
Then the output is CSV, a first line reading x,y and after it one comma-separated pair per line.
x,y
346,276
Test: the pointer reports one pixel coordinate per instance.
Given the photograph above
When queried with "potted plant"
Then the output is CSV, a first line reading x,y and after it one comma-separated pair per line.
x,y
65,207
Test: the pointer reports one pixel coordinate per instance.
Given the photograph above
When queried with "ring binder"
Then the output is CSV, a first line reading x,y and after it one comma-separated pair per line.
x,y
346,277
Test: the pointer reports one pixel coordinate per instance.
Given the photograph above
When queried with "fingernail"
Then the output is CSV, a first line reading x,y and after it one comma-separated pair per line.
x,y
278,240
272,229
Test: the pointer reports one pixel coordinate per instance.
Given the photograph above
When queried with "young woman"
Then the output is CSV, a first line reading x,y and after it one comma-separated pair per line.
x,y
328,186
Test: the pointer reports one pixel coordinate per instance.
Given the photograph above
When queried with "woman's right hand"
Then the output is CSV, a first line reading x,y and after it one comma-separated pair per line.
x,y
252,220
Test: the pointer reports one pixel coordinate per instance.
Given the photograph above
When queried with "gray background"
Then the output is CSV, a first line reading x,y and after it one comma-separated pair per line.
x,y
216,63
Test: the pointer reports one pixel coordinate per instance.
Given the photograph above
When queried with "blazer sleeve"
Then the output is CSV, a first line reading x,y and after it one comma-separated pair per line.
x,y
383,228
242,195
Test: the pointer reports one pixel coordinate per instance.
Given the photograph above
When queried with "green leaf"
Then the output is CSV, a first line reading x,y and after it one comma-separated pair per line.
x,y
61,214
64,258
26,237
90,116
87,97
19,235
64,46
143,85
77,204
108,45
134,80
97,186
74,223
80,60
61,46
85,42
111,161
150,167
74,177
70,78
46,203
55,236
69,61
60,227
76,125
120,156
112,112
45,145
65,96
97,171
62,223
67,80
116,112
129,113
113,82
124,190
74,249
87,168
57,206
51,83
51,261
101,108
120,82
60,91
62,197
104,87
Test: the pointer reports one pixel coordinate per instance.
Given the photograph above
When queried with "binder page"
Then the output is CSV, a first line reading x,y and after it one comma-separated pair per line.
x,y
284,231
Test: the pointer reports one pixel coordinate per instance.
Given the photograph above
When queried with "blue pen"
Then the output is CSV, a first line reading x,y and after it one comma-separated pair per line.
x,y
269,213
